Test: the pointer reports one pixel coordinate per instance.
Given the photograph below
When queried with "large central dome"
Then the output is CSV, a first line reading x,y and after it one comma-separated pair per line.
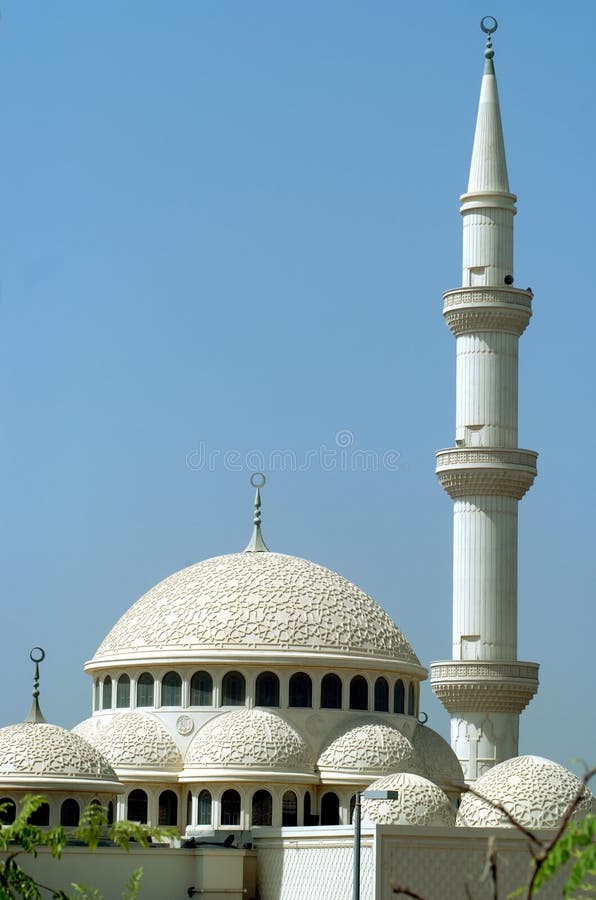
x,y
254,602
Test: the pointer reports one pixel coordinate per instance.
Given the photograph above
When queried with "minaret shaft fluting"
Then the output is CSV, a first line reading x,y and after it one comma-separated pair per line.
x,y
484,686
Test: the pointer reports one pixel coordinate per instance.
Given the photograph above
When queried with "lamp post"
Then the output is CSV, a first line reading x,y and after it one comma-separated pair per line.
x,y
368,795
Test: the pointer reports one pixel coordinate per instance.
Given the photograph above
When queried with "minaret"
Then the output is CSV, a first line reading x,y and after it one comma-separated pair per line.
x,y
484,687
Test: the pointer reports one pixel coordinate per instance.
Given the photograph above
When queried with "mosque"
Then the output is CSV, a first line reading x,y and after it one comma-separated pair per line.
x,y
257,694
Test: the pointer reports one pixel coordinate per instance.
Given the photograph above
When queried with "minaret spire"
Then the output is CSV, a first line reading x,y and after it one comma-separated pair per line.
x,y
256,543
37,655
484,686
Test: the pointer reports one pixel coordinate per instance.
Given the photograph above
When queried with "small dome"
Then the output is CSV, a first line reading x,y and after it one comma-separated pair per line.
x,y
249,739
370,748
420,802
36,753
253,602
440,764
89,729
136,740
535,791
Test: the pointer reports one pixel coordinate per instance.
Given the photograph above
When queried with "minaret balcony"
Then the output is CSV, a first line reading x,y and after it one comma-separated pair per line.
x,y
485,471
468,686
487,308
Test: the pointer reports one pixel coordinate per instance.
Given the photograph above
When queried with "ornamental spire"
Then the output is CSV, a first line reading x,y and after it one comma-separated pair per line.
x,y
256,543
35,714
488,169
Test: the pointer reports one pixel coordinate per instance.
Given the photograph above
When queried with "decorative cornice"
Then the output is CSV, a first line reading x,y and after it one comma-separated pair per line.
x,y
468,472
469,310
484,686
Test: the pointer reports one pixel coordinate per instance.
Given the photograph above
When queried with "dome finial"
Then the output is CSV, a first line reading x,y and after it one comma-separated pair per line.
x,y
37,655
256,543
489,25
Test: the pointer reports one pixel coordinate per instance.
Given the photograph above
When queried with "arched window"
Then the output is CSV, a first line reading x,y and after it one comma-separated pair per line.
x,y
9,813
230,808
399,697
300,690
189,808
123,692
330,809
381,695
136,809
411,699
358,693
233,689
41,816
70,813
201,689
352,808
171,689
106,699
111,812
267,690
331,692
308,817
168,808
204,808
261,808
96,694
289,809
145,690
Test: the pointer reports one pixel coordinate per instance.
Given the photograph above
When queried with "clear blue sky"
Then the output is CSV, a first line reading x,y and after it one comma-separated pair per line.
x,y
227,226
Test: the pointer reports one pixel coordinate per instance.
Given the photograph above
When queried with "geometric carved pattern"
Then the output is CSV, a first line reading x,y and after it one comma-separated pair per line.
x,y
246,738
371,748
484,686
38,749
440,763
419,802
465,472
137,740
487,309
252,601
535,791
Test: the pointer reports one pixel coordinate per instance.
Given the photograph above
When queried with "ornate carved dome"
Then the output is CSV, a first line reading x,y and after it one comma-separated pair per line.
x,y
250,603
35,754
370,748
248,739
534,790
420,802
135,740
440,764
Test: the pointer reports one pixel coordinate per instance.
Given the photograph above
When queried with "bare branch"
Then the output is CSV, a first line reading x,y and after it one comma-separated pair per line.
x,y
405,891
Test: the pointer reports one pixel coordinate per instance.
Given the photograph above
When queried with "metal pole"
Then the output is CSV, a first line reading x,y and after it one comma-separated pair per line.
x,y
356,820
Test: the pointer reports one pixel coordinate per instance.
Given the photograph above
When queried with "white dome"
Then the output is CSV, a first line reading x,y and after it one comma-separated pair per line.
x,y
370,748
251,602
135,740
36,754
535,791
440,764
420,802
248,739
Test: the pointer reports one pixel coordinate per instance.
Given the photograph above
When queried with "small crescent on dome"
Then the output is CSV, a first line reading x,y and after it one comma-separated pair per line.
x,y
39,656
486,25
422,721
258,480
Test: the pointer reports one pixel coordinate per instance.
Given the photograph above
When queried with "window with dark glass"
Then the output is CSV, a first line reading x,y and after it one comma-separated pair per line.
x,y
331,692
381,695
145,690
168,808
233,689
123,692
289,809
188,808
204,808
171,689
96,694
41,816
358,693
411,700
300,690
230,808
399,697
8,811
352,807
70,813
330,809
106,700
261,808
111,812
201,689
136,809
267,690
309,819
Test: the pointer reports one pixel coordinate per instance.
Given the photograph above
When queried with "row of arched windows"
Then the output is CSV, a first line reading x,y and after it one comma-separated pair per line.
x,y
267,692
70,812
